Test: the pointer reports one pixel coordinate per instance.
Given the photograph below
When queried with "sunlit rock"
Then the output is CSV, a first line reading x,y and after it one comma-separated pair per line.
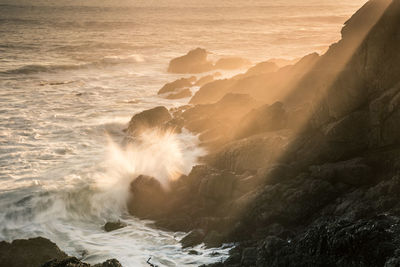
x,y
195,61
177,85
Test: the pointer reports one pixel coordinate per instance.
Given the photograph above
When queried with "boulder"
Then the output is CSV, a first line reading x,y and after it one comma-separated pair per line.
x,y
151,118
112,226
195,61
31,252
147,198
177,85
181,94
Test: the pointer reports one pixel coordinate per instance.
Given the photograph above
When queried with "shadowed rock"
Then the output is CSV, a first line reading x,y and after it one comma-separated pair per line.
x,y
112,226
29,252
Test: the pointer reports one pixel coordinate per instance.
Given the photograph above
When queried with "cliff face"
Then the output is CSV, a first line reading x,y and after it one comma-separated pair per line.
x,y
312,180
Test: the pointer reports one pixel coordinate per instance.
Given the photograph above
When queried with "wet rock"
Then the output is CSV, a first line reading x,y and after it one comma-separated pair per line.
x,y
151,118
74,262
177,85
29,252
231,63
193,238
112,226
195,61
148,198
181,94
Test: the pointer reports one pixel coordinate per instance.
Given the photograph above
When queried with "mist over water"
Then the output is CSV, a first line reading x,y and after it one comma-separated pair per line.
x,y
72,75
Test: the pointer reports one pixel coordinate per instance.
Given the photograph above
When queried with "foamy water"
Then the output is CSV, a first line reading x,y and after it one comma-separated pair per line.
x,y
71,77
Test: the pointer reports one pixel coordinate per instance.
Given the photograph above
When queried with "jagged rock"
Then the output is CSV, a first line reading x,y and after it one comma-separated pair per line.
x,y
29,252
181,94
231,63
195,61
151,118
176,85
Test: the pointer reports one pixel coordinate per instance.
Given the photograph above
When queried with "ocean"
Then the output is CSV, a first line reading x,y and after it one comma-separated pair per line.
x,y
72,74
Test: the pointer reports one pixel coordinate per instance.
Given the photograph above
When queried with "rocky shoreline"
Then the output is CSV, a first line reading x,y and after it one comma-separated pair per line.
x,y
303,163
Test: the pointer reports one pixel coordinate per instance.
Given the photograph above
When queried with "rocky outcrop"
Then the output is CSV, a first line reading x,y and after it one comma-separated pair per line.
x,y
177,85
155,117
39,251
29,252
195,61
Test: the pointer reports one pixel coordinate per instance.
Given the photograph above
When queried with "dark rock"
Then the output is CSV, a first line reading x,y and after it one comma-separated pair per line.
x,y
111,226
353,172
181,94
74,262
193,238
29,252
213,239
249,257
176,85
148,198
212,92
195,61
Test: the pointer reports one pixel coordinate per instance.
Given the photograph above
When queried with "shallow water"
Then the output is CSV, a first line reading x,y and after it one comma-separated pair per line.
x,y
72,75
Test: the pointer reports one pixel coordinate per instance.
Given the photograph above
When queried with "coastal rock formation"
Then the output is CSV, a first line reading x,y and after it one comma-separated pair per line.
x,y
195,61
307,175
39,251
29,252
177,85
155,117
